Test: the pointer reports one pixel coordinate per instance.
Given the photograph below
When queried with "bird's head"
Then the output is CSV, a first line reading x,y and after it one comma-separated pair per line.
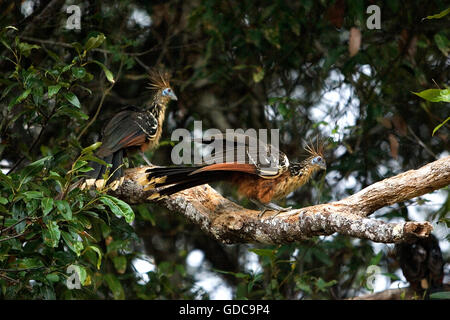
x,y
159,82
316,158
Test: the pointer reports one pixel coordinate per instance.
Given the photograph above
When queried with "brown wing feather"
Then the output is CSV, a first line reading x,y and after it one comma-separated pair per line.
x,y
132,140
236,167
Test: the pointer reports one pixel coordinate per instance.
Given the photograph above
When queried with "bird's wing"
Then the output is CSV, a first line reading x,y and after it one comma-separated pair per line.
x,y
128,128
244,153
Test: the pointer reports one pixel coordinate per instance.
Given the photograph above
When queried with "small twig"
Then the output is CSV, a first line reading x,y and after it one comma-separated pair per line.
x,y
29,150
131,54
13,225
421,143
105,93
15,236
9,279
20,270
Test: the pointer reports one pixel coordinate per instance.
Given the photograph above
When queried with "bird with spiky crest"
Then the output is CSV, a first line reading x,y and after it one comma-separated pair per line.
x,y
131,129
252,179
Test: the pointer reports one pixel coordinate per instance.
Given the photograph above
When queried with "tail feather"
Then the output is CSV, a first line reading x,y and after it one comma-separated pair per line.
x,y
115,172
186,184
169,180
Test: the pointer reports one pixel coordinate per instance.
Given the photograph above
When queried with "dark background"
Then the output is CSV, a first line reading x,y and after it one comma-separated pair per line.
x,y
235,64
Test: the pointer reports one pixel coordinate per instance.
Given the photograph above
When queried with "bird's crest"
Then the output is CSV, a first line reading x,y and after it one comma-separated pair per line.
x,y
317,149
158,79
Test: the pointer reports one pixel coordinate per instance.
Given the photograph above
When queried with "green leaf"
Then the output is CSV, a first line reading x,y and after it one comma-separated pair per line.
x,y
33,195
258,75
73,99
52,234
376,259
72,113
28,263
118,207
33,168
322,285
108,73
439,15
56,177
74,245
79,164
64,208
78,72
440,125
82,274
264,252
115,286
435,95
145,214
78,47
440,295
8,89
52,277
99,253
6,180
120,263
442,43
303,286
46,205
91,148
20,98
3,200
52,90
25,48
94,42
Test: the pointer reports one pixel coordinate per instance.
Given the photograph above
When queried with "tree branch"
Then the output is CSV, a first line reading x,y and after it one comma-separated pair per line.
x,y
230,223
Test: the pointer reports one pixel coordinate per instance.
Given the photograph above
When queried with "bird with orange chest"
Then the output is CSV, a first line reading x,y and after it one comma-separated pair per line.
x,y
131,130
253,180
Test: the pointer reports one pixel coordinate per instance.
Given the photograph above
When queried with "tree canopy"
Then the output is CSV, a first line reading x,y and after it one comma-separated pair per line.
x,y
379,97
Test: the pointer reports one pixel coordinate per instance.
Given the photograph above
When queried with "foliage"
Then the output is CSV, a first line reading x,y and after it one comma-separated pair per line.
x,y
236,64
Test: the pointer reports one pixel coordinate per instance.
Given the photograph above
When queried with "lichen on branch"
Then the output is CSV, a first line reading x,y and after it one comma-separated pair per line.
x,y
230,223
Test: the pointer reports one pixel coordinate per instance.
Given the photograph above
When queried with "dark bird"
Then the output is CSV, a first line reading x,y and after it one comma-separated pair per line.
x,y
422,263
254,178
130,130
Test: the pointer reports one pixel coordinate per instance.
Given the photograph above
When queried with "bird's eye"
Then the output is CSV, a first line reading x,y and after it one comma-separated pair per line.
x,y
166,91
317,159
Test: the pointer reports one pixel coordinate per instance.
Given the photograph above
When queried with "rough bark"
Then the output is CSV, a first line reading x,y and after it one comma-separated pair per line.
x,y
230,223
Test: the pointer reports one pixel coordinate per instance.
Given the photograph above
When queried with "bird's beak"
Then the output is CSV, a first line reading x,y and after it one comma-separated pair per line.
x,y
323,166
173,96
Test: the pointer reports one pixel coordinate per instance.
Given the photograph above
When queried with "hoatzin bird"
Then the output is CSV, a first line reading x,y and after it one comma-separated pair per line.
x,y
253,179
422,264
131,130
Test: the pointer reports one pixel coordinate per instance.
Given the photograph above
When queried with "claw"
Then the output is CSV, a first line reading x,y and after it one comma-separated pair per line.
x,y
145,158
269,207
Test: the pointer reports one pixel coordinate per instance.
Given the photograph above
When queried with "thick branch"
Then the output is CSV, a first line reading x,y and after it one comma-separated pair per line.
x,y
230,223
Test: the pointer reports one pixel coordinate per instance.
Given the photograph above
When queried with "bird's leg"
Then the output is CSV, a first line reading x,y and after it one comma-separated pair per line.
x,y
145,158
269,207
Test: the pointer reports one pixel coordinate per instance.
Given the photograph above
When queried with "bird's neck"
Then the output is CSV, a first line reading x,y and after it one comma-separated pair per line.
x,y
302,171
158,107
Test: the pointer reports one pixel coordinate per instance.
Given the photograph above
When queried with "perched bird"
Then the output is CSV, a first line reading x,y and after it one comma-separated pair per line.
x,y
130,130
255,180
422,263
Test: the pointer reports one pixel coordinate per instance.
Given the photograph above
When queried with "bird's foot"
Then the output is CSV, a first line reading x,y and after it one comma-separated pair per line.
x,y
269,207
146,159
